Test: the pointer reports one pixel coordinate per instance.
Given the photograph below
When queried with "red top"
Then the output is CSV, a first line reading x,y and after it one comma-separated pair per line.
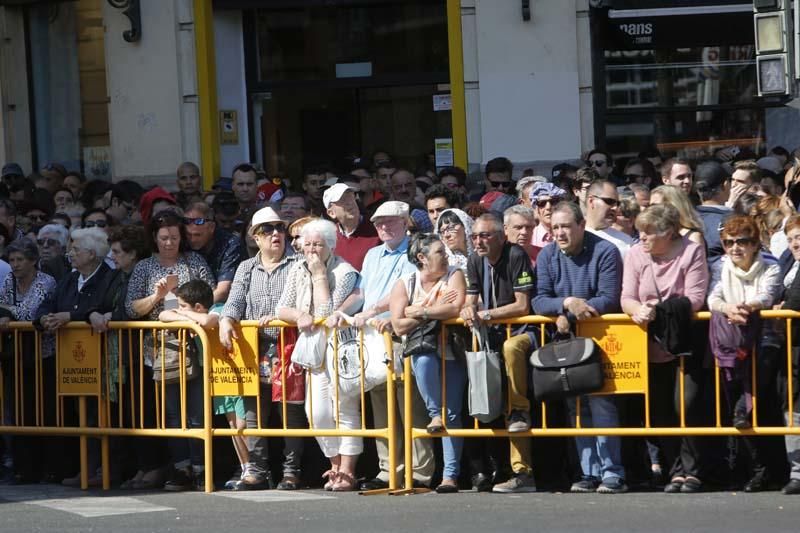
x,y
353,248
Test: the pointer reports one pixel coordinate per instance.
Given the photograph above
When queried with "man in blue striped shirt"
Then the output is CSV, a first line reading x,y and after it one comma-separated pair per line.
x,y
579,276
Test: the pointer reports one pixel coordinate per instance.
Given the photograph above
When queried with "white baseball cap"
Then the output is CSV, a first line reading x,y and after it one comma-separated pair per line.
x,y
265,215
335,193
390,209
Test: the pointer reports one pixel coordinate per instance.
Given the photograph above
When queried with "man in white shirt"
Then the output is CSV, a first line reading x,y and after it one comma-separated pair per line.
x,y
602,203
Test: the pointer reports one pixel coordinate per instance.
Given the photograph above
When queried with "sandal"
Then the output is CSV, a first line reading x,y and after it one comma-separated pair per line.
x,y
436,425
344,482
330,475
692,485
675,484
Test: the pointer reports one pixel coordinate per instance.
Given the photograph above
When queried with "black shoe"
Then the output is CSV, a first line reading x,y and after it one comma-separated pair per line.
x,y
481,483
758,483
793,487
374,484
673,486
447,488
418,484
235,478
181,481
692,485
289,483
253,481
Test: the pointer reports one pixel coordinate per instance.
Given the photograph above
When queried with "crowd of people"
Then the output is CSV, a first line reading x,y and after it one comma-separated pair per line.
x,y
375,245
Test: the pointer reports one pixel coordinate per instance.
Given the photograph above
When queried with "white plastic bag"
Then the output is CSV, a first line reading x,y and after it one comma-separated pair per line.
x,y
309,350
346,361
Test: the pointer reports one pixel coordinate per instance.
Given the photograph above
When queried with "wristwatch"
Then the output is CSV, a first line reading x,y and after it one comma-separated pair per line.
x,y
485,315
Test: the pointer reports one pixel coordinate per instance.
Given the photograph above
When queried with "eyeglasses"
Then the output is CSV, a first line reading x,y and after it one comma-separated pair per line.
x,y
448,230
95,223
610,202
482,235
741,241
630,178
40,218
543,203
500,184
47,242
597,163
270,228
197,221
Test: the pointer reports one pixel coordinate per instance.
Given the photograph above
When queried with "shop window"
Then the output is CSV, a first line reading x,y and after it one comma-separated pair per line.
x,y
347,41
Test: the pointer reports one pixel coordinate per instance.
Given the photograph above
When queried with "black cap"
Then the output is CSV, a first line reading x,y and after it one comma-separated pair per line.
x,y
709,175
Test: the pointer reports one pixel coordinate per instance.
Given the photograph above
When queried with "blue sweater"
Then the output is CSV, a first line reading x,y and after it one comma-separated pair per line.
x,y
595,274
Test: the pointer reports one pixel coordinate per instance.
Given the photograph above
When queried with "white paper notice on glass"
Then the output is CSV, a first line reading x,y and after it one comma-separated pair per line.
x,y
443,150
442,102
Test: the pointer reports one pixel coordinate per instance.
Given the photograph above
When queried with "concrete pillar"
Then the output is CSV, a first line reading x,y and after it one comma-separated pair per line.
x,y
153,114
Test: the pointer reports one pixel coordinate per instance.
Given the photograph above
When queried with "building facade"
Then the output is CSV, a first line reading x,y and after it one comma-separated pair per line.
x,y
292,84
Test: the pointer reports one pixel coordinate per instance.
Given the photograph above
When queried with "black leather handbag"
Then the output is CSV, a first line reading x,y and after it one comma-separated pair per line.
x,y
566,368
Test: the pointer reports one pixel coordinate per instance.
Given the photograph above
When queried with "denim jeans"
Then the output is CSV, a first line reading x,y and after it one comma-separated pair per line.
x,y
185,452
793,446
600,457
427,371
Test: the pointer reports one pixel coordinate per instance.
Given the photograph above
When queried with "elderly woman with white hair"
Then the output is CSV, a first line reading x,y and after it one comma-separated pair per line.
x,y
52,240
316,286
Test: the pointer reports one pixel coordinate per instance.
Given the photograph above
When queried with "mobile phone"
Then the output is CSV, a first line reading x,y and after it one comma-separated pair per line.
x,y
172,280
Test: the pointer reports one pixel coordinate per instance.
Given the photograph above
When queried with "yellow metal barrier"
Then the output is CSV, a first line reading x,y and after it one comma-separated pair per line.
x,y
597,328
83,372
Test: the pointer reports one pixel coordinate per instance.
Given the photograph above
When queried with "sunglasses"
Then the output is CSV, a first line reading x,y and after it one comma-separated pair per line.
x,y
610,202
482,236
500,184
270,228
633,177
742,241
543,203
95,223
47,242
40,218
197,221
596,163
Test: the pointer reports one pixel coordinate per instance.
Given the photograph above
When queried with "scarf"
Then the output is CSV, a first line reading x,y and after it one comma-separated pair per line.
x,y
734,280
457,259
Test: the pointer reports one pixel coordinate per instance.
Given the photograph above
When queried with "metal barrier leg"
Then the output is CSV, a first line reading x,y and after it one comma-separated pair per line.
x,y
391,421
104,452
83,444
408,434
